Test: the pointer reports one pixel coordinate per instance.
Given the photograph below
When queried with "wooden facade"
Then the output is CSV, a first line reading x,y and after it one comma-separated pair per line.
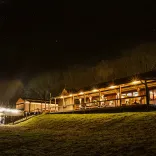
x,y
31,105
135,90
138,90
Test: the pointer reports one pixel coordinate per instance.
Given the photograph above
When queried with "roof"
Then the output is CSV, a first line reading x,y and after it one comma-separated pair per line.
x,y
37,100
64,92
21,100
142,76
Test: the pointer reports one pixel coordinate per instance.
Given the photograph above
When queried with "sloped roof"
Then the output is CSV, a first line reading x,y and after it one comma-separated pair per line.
x,y
21,100
64,92
142,76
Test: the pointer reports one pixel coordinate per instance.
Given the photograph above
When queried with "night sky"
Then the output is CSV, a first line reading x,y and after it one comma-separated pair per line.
x,y
40,36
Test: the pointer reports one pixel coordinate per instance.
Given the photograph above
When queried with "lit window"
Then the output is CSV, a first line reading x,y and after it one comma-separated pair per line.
x,y
129,94
135,82
94,90
112,87
151,92
81,93
135,93
123,95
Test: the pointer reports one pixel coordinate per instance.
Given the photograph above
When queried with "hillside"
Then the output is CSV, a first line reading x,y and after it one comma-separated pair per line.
x,y
82,134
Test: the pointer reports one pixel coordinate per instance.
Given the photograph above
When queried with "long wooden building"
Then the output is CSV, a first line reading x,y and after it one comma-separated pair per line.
x,y
31,105
135,90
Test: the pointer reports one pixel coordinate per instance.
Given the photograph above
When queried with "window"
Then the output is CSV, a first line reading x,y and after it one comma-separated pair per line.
x,y
135,94
152,94
129,94
123,95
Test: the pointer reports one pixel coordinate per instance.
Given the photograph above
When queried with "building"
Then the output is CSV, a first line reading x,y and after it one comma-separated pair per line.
x,y
31,105
135,90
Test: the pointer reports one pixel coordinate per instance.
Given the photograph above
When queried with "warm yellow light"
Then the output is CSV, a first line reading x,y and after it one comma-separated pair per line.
x,y
112,87
61,97
151,92
135,82
71,95
95,90
81,93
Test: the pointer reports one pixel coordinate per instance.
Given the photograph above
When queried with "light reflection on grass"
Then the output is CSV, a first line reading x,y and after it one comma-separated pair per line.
x,y
82,134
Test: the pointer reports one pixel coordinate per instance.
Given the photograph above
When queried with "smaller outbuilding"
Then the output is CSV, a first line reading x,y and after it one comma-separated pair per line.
x,y
35,106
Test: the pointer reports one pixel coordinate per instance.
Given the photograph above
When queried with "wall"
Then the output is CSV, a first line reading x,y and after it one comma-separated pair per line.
x,y
67,104
20,106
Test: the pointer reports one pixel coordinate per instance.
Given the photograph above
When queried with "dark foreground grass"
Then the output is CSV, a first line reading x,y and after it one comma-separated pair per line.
x,y
82,134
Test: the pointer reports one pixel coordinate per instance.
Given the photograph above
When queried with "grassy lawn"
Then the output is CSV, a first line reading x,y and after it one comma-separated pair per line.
x,y
117,134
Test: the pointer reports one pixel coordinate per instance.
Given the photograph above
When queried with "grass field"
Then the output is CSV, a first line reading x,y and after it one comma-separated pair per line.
x,y
117,134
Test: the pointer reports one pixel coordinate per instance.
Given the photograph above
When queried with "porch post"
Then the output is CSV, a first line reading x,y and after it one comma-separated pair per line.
x,y
63,103
55,104
45,99
99,98
42,106
45,106
24,105
29,107
147,94
73,100
50,103
84,98
90,99
120,95
80,102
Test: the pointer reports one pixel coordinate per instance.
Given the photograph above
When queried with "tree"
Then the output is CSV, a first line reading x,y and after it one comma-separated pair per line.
x,y
41,86
10,92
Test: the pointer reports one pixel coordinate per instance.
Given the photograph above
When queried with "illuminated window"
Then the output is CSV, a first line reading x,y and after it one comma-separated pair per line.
x,y
153,94
81,93
105,98
135,94
123,95
95,90
129,94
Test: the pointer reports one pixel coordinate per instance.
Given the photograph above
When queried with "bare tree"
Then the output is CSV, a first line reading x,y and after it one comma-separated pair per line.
x,y
41,86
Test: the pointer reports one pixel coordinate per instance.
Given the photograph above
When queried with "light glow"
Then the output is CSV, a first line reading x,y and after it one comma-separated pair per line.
x,y
95,90
151,92
135,93
8,110
71,95
81,93
112,87
135,82
61,97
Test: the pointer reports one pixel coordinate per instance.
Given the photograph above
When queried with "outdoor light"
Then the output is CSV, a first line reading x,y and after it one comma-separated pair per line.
x,y
151,92
2,109
8,110
61,97
112,87
14,111
81,93
95,90
70,95
135,82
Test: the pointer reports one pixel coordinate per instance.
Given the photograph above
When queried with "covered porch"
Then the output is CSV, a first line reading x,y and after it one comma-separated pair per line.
x,y
133,93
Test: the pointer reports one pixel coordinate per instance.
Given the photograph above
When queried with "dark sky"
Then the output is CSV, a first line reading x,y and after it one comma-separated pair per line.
x,y
47,35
